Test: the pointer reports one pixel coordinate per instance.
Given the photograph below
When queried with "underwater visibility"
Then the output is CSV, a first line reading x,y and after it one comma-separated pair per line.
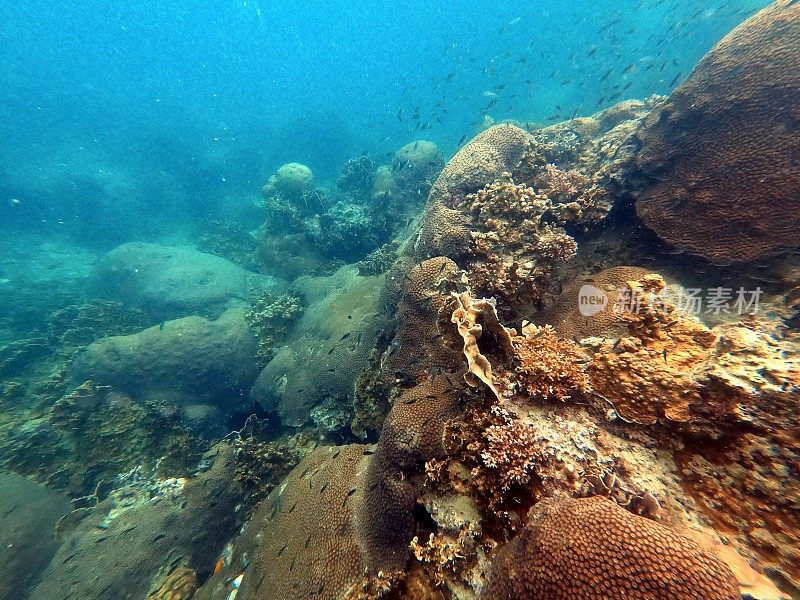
x,y
379,300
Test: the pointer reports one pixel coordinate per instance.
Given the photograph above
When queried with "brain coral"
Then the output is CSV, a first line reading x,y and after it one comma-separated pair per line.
x,y
723,153
444,230
291,180
592,549
306,526
565,315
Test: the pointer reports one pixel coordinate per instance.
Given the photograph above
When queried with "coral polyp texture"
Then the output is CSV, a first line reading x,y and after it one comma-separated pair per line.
x,y
302,542
721,153
593,549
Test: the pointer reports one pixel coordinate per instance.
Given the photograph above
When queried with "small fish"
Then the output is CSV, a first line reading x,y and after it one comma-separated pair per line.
x,y
675,80
607,75
631,67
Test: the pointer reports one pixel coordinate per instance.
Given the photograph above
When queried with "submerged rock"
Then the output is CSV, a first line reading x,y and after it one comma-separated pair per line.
x,y
28,515
326,352
154,545
189,360
172,281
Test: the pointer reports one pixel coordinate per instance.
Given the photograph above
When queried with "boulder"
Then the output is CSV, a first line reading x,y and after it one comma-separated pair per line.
x,y
173,281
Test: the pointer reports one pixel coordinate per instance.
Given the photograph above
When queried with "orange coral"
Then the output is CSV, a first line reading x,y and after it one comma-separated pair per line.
x,y
549,367
652,371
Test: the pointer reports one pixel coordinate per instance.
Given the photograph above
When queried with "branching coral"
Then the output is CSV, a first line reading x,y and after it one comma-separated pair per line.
x,y
262,463
516,242
378,261
446,557
272,318
509,449
356,178
558,185
500,452
549,367
229,240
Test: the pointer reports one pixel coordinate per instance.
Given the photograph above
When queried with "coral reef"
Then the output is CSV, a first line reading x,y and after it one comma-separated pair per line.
x,y
378,261
92,434
419,297
262,462
609,285
272,318
444,230
304,540
714,125
356,178
573,548
411,436
315,232
416,166
230,240
581,165
323,356
74,326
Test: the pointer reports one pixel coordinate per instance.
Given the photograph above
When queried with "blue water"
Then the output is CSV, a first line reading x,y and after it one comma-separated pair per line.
x,y
188,106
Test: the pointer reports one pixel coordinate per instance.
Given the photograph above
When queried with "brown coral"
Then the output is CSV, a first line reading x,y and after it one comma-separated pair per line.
x,y
444,231
592,548
549,367
566,315
411,436
721,153
425,343
307,529
514,246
